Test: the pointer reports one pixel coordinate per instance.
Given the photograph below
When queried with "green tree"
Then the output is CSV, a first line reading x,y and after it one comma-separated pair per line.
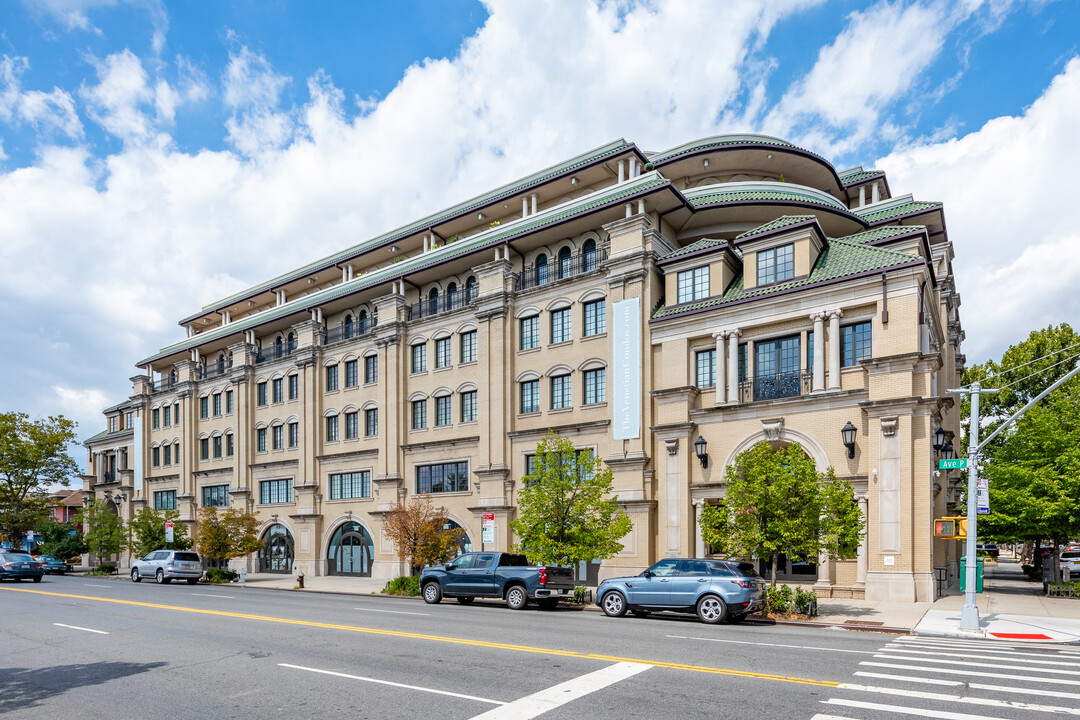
x,y
777,502
566,513
220,537
105,534
33,457
57,540
148,532
419,534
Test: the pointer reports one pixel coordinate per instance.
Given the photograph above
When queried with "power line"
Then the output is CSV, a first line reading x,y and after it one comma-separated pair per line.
x,y
1029,362
1037,372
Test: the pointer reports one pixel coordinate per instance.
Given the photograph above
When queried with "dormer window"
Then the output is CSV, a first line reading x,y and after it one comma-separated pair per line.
x,y
112,423
776,264
693,284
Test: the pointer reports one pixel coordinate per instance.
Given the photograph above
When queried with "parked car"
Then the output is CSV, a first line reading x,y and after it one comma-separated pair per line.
x,y
19,565
53,565
713,589
986,550
497,575
168,565
1070,559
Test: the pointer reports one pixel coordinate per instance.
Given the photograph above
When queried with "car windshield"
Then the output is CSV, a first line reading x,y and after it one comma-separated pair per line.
x,y
186,557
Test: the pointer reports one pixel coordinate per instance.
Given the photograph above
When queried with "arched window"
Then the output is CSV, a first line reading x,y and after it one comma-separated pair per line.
x,y
588,256
347,326
463,544
279,346
564,263
350,551
541,270
292,342
276,555
451,296
433,301
221,363
363,324
470,288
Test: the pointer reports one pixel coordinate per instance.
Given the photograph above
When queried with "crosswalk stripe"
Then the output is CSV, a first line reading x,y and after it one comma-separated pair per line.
x,y
987,702
819,716
973,673
981,648
1056,671
975,686
934,640
941,714
972,656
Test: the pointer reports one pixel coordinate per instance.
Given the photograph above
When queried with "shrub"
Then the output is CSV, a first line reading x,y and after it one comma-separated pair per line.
x,y
220,575
806,602
404,585
103,569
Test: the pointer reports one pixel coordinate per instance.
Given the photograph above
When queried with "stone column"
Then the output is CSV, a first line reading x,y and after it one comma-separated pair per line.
x,y
819,351
699,544
834,348
721,376
860,567
733,366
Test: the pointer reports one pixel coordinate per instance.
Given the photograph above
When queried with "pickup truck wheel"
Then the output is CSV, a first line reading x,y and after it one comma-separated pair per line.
x,y
465,599
432,593
516,598
711,609
614,604
548,603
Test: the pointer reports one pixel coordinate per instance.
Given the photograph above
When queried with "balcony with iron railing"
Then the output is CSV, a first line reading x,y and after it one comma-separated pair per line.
x,y
559,269
443,304
205,372
165,383
275,352
341,333
775,386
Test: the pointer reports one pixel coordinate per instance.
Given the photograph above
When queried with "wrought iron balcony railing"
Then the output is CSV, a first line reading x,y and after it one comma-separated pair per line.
x,y
559,269
342,333
776,386
213,370
440,305
275,352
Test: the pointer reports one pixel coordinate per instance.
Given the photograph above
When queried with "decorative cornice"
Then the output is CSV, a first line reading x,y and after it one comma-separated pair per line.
x,y
449,442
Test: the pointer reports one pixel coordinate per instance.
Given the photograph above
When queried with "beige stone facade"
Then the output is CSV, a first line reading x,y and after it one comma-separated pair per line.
x,y
734,289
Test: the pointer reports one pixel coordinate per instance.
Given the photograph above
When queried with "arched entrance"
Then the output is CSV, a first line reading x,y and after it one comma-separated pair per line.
x,y
464,544
276,555
350,551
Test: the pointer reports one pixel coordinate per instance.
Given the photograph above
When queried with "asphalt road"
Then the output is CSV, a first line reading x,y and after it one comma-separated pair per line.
x,y
92,647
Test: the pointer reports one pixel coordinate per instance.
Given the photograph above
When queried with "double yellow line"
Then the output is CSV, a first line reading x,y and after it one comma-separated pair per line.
x,y
443,639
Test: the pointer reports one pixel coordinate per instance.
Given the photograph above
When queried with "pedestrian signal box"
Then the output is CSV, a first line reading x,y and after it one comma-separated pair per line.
x,y
950,528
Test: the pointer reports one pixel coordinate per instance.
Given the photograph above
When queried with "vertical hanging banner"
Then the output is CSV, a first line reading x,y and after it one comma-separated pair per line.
x,y
136,463
626,369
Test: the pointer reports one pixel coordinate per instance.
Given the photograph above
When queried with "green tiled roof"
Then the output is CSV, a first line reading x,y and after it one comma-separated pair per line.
x,y
117,406
898,211
101,435
739,195
860,175
781,222
693,247
873,235
841,259
719,141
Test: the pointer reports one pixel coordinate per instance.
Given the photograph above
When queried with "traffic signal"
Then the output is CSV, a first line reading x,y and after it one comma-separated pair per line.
x,y
950,528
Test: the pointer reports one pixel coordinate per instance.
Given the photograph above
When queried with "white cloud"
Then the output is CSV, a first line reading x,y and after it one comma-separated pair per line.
x,y
252,90
75,402
52,112
1007,198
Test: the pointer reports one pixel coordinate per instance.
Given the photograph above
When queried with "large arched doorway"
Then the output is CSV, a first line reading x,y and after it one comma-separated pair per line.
x,y
350,551
464,544
276,555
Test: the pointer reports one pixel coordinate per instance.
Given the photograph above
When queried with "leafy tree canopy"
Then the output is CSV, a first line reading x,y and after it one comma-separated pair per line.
x,y
419,533
148,532
57,540
220,537
105,533
33,457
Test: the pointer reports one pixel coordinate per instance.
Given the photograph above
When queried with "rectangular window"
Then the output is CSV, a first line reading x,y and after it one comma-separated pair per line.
x,y
260,394
468,347
352,426
167,454
260,439
204,449
530,396
166,423
176,413
294,434
155,418
442,478
595,318
419,358
215,496
155,454
217,447
272,492
352,374
419,414
706,368
468,406
775,265
442,410
176,453
344,486
129,419
693,284
331,378
228,401
855,343
560,326
204,409
332,428
371,369
165,500
229,449
442,352
595,390
810,350
112,424
277,437
371,422
277,386
217,404
530,332
294,387
742,362
560,392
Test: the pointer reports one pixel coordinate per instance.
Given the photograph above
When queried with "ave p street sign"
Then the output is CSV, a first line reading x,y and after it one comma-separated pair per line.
x,y
953,464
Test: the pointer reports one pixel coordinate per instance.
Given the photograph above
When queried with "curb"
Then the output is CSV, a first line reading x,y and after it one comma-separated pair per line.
x,y
831,626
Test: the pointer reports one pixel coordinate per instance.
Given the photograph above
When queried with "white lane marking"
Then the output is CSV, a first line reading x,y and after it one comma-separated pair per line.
x,y
976,686
214,595
943,714
778,645
92,585
904,692
973,673
1056,671
393,684
819,716
396,612
546,700
1003,654
974,656
76,627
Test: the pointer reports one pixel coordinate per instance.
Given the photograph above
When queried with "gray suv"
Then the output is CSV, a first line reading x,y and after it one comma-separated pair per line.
x,y
167,565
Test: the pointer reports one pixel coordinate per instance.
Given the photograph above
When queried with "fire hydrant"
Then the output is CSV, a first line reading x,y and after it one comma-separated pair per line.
x,y
300,580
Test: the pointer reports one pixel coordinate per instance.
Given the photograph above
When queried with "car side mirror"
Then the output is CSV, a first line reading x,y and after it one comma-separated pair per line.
x,y
647,573
449,566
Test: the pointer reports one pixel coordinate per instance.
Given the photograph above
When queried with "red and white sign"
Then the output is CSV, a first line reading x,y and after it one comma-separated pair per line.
x,y
488,524
169,532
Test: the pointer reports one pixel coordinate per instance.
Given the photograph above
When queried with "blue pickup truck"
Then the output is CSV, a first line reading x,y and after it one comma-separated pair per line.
x,y
496,575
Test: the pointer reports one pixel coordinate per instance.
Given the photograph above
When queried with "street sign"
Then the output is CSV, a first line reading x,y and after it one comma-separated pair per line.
x,y
488,525
953,464
982,498
168,532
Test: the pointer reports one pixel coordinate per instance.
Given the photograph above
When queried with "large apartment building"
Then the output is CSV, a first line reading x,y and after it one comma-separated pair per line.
x,y
666,310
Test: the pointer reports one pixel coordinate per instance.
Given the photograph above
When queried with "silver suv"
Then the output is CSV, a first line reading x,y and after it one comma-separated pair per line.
x,y
166,565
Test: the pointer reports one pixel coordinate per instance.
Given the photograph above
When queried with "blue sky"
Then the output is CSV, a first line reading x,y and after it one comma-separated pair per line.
x,y
155,156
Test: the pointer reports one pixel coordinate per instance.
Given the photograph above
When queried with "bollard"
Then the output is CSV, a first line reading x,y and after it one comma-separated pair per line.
x,y
300,580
